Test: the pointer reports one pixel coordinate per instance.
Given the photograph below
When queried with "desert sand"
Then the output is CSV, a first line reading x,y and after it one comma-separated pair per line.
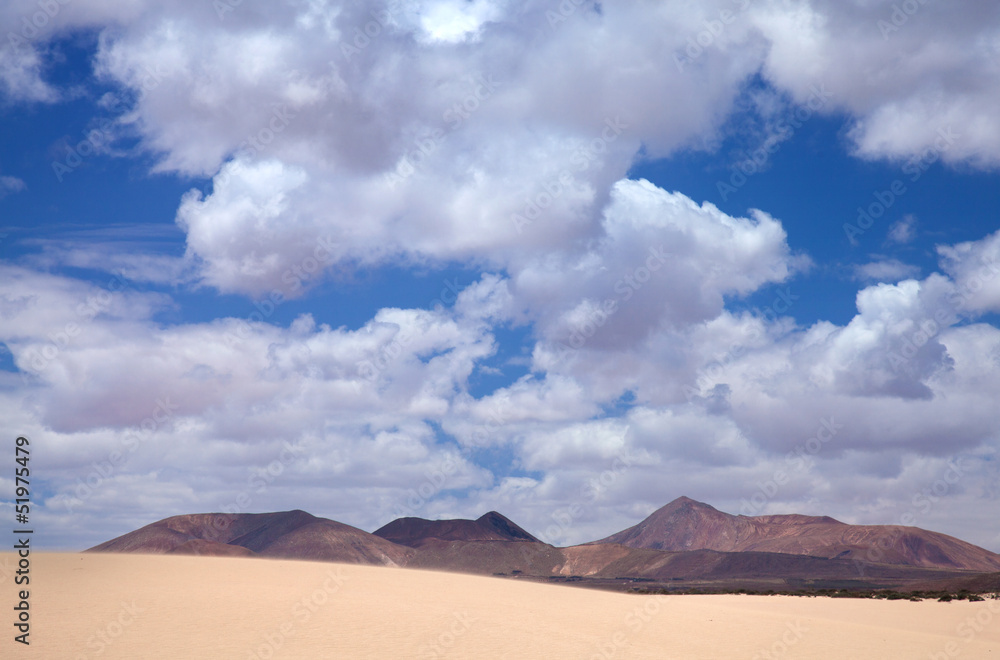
x,y
149,606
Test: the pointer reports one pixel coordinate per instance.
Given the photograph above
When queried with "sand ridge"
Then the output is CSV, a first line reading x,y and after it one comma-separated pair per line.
x,y
155,606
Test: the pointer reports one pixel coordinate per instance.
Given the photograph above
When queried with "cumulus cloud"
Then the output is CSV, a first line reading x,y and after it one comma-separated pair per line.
x,y
351,404
718,404
475,131
444,133
913,80
975,265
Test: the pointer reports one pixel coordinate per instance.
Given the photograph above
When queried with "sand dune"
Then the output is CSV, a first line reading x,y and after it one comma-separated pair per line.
x,y
144,606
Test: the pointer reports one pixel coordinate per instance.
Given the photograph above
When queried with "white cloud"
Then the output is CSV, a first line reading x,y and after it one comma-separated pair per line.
x,y
903,231
415,148
21,75
454,21
917,85
431,136
357,406
975,266
10,184
885,270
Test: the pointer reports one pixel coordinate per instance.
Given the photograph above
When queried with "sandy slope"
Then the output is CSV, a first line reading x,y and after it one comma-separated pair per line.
x,y
206,607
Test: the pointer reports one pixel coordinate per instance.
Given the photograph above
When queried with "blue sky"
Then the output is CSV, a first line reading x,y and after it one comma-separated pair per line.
x,y
509,246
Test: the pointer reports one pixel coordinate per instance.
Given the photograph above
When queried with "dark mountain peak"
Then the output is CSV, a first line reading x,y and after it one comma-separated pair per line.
x,y
488,527
504,526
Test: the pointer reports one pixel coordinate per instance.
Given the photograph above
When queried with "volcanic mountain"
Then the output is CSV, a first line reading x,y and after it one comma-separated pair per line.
x,y
288,534
414,532
685,524
684,545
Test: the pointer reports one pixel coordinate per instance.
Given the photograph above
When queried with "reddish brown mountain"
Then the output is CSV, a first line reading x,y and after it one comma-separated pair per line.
x,y
664,551
685,524
289,534
414,532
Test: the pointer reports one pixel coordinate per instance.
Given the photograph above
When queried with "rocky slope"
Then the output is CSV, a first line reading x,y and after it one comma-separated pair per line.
x,y
288,534
685,524
489,527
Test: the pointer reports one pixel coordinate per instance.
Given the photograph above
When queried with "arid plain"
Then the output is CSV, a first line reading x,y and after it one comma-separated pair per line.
x,y
155,606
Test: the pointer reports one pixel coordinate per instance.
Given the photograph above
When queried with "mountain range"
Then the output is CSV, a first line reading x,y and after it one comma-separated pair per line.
x,y
685,544
685,524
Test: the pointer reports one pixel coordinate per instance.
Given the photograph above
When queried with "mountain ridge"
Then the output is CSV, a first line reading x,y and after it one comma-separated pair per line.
x,y
491,526
686,524
286,534
664,548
